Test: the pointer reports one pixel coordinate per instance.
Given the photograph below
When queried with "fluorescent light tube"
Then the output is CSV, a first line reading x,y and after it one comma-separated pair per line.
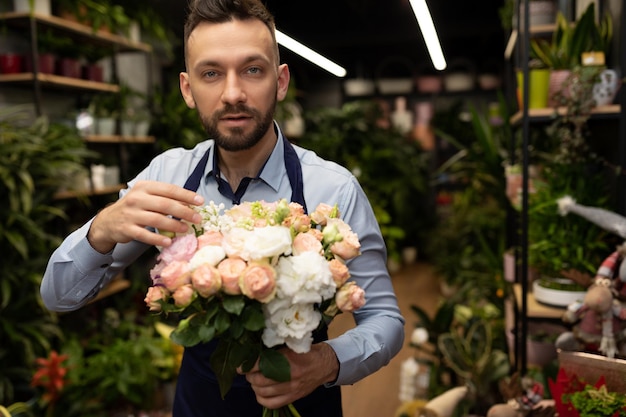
x,y
425,22
310,55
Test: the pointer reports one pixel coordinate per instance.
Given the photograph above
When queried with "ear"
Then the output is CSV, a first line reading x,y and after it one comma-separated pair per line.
x,y
283,82
185,89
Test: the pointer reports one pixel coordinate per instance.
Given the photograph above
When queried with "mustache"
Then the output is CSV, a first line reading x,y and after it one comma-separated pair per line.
x,y
234,109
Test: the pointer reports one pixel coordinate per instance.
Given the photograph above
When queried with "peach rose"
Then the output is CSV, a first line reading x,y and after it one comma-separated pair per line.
x,y
210,238
175,274
230,269
340,272
306,242
154,296
258,281
348,246
322,212
184,295
350,297
206,280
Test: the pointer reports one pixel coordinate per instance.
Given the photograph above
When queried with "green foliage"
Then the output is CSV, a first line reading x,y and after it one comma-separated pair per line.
x,y
468,243
174,123
392,170
597,402
570,167
569,41
36,159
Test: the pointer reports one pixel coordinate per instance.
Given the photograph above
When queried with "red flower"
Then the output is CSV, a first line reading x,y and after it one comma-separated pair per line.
x,y
50,375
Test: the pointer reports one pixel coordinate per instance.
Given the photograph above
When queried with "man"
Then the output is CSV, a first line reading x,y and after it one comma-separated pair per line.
x,y
234,79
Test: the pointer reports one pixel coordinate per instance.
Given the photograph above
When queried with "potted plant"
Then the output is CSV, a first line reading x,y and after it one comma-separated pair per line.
x,y
49,156
564,51
392,170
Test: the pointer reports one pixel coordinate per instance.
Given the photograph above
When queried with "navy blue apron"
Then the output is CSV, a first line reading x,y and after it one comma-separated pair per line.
x,y
197,390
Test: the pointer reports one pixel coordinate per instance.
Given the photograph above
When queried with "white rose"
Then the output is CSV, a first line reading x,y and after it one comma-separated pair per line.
x,y
292,325
234,242
316,276
269,241
211,255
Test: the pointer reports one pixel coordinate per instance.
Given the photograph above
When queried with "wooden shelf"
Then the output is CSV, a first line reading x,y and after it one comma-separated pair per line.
x,y
549,113
119,139
534,308
76,30
58,81
62,195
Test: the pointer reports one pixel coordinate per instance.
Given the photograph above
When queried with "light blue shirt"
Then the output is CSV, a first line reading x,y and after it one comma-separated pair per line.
x,y
76,272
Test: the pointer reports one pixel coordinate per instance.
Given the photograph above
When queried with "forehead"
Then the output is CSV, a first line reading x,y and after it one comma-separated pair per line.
x,y
229,40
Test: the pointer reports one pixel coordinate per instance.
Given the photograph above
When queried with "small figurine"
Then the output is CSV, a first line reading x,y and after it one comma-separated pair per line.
x,y
523,398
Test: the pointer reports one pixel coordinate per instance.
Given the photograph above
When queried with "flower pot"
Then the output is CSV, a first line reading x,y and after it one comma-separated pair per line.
x,y
539,13
105,126
540,347
92,72
557,81
604,91
69,67
40,7
358,87
46,63
557,292
538,88
429,84
11,63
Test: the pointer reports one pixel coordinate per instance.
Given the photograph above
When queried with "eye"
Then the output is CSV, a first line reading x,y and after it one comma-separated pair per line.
x,y
254,70
209,74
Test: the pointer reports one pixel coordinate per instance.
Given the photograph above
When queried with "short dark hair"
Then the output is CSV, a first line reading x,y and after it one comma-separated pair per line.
x,y
222,11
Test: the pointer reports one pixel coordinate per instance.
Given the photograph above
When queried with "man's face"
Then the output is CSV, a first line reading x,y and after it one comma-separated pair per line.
x,y
233,80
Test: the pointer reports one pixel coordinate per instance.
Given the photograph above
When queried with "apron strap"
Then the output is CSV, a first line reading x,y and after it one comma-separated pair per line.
x,y
292,165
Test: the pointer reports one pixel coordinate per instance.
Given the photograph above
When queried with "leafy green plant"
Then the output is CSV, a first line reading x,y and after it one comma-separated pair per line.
x,y
470,353
393,171
36,159
597,402
569,41
467,246
570,167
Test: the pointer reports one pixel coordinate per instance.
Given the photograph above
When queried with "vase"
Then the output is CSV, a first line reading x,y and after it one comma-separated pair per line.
x,y
557,81
11,63
538,88
40,6
605,89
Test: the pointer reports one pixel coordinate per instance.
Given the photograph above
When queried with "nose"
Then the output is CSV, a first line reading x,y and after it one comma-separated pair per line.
x,y
233,90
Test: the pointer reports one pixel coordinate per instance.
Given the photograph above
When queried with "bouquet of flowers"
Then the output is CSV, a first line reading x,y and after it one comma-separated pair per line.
x,y
257,276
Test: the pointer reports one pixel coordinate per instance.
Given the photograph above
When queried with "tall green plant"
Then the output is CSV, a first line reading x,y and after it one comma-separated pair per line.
x,y
35,160
393,171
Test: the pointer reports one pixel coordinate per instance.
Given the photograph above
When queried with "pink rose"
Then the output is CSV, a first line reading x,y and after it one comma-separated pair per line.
x,y
306,242
350,297
340,272
181,249
348,246
175,275
206,280
230,269
183,296
258,281
210,238
322,213
154,295
155,272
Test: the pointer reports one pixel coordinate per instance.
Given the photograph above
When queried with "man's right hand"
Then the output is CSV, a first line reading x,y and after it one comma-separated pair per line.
x,y
147,204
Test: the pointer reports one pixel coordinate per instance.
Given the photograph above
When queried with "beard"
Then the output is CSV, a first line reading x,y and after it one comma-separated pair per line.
x,y
236,139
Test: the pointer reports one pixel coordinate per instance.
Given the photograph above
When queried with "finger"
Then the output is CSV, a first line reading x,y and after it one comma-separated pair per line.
x,y
171,191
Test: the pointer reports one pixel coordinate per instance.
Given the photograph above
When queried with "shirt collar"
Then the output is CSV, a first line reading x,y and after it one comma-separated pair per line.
x,y
273,171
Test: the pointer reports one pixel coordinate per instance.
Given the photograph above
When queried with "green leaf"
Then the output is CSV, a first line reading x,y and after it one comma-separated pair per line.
x,y
221,322
187,334
253,318
234,304
274,365
224,370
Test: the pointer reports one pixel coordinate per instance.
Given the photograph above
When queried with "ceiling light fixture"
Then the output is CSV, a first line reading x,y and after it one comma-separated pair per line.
x,y
310,54
425,22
